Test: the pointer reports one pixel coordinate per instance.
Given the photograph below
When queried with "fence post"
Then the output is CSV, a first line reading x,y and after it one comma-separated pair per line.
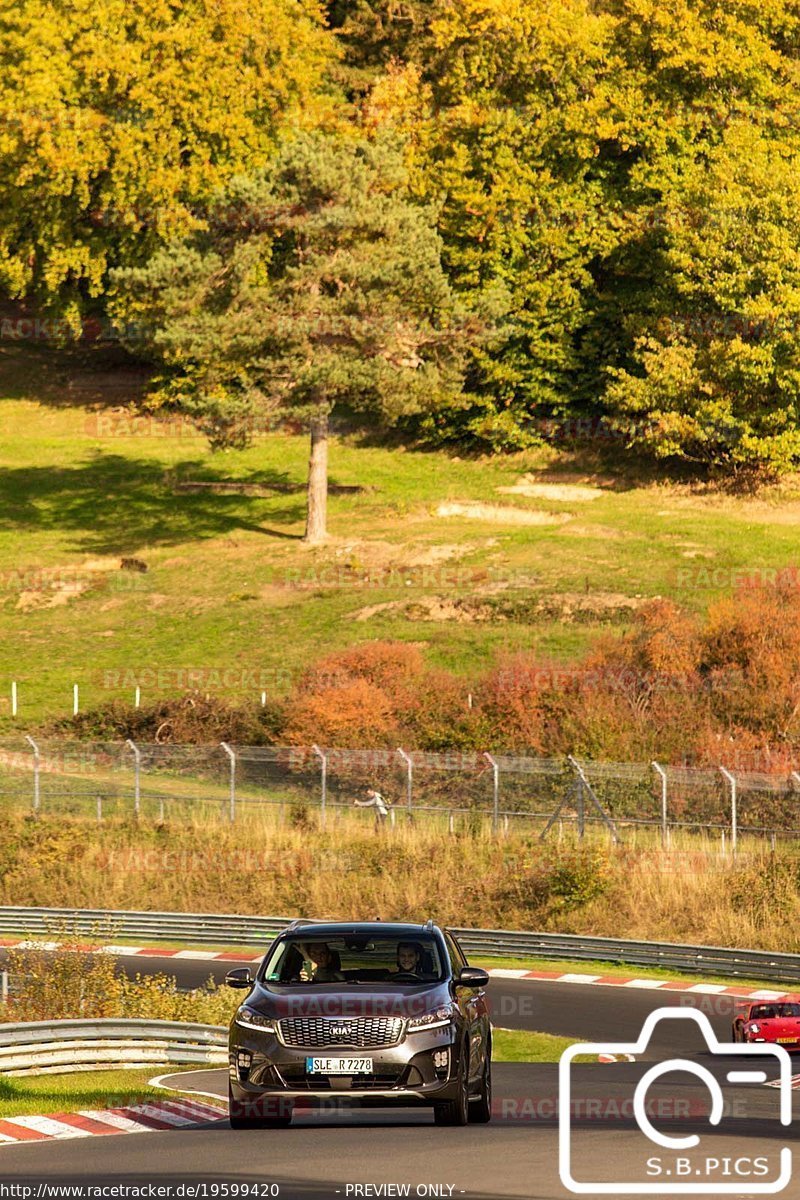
x,y
734,815
581,806
585,789
495,791
32,743
137,759
664,831
409,778
3,987
232,759
323,758
137,696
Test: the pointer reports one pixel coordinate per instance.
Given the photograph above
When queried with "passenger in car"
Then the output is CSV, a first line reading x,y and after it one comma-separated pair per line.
x,y
327,964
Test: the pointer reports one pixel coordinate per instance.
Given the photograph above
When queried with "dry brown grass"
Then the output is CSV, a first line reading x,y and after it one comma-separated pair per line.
x,y
348,869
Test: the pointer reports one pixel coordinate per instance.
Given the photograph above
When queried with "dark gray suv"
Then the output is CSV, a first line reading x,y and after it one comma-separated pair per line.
x,y
370,1012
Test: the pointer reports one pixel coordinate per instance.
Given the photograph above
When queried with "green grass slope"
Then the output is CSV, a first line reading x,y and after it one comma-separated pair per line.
x,y
230,588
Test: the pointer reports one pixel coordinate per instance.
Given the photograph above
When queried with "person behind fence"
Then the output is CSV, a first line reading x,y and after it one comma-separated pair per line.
x,y
375,800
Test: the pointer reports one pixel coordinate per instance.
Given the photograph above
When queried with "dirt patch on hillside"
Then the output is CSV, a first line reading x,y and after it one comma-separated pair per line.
x,y
528,485
432,608
778,508
589,606
54,587
499,604
500,514
364,554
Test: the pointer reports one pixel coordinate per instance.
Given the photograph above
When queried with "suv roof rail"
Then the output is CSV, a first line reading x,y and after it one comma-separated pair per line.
x,y
298,922
429,923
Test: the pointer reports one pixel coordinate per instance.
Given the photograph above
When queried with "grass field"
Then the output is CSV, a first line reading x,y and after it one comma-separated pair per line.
x,y
42,1094
521,1045
229,585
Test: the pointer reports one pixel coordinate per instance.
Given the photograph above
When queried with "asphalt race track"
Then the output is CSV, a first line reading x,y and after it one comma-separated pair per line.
x,y
333,1151
572,1010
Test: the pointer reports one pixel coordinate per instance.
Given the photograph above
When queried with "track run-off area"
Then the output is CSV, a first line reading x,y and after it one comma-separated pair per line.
x,y
340,1150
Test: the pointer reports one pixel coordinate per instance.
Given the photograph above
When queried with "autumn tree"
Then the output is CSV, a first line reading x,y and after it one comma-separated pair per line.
x,y
317,283
119,119
374,34
715,371
503,116
693,322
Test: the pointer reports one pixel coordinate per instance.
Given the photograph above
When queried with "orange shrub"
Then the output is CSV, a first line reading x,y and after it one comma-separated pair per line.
x,y
751,646
354,714
391,666
663,646
510,699
438,715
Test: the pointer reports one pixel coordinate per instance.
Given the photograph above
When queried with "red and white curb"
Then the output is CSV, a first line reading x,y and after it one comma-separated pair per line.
x,y
654,985
136,951
776,1083
90,1122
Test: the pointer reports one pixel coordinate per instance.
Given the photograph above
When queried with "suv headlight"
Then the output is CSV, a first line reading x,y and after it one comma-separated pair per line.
x,y
434,1019
754,1027
254,1020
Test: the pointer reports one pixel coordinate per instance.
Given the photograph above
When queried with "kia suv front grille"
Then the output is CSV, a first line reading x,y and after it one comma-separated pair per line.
x,y
364,1033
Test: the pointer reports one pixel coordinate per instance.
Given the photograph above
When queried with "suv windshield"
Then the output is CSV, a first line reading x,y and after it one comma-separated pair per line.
x,y
354,958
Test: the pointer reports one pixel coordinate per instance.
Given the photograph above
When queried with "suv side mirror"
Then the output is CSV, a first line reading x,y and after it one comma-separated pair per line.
x,y
239,977
472,977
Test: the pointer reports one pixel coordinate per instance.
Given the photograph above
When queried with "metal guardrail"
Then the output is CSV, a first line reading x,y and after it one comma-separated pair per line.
x,y
759,965
54,1047
237,930
200,928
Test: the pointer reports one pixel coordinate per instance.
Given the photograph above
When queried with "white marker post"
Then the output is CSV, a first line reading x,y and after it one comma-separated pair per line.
x,y
13,697
74,699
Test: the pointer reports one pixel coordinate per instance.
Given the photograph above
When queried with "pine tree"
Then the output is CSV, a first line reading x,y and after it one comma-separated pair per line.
x,y
317,283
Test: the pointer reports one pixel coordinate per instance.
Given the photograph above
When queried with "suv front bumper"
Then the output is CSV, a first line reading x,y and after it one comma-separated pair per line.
x,y
421,1068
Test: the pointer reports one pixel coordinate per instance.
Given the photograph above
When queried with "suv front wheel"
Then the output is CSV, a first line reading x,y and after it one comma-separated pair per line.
x,y
480,1110
455,1112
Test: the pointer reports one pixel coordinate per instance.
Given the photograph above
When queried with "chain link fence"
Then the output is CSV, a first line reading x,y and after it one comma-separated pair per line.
x,y
158,782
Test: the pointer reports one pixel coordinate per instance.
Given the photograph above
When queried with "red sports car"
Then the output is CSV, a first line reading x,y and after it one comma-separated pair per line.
x,y
777,1021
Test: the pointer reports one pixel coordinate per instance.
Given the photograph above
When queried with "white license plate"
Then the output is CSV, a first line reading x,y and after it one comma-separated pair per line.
x,y
339,1066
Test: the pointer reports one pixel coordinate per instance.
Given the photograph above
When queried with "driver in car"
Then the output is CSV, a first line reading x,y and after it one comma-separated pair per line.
x,y
409,959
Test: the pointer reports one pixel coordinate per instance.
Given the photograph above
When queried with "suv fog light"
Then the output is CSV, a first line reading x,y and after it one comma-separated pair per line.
x,y
441,1062
244,1060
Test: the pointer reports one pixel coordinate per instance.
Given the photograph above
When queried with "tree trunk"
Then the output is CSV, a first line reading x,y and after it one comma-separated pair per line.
x,y
317,496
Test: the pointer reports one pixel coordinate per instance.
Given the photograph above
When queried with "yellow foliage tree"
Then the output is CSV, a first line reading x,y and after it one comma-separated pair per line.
x,y
119,118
